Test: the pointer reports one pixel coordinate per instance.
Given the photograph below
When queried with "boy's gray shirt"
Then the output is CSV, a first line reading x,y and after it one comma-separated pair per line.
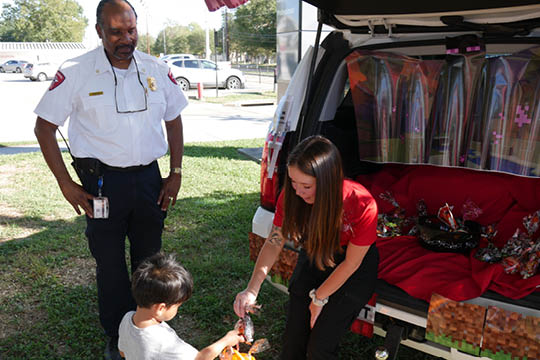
x,y
154,342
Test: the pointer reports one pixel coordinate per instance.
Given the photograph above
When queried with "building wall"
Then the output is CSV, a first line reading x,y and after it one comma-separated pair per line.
x,y
36,52
296,32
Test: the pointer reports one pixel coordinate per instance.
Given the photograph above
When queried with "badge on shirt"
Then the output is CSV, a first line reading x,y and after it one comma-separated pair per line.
x,y
58,79
151,83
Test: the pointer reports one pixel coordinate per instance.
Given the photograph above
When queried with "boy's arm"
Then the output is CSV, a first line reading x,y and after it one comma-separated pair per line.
x,y
212,351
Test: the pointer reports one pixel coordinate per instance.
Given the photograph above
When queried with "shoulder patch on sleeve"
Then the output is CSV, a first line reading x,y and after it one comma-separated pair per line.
x,y
172,77
58,79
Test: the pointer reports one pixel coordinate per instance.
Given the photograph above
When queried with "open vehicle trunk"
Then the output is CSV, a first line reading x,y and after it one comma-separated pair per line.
x,y
440,105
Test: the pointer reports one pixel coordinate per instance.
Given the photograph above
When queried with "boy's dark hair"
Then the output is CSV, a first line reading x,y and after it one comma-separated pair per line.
x,y
161,279
99,11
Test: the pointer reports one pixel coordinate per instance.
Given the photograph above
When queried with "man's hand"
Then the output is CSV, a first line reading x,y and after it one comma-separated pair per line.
x,y
169,190
76,196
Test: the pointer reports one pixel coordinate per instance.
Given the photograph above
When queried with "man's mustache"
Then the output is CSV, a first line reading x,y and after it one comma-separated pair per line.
x,y
122,47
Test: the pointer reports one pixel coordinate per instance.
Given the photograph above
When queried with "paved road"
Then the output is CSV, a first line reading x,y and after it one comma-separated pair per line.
x,y
202,121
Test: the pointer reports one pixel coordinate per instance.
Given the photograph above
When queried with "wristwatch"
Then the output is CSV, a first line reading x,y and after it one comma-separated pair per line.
x,y
318,302
176,170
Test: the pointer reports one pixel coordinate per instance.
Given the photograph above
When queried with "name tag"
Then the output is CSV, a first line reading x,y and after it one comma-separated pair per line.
x,y
101,208
97,93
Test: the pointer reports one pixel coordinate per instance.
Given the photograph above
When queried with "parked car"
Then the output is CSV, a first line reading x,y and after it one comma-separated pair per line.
x,y
16,66
429,103
172,57
189,72
40,71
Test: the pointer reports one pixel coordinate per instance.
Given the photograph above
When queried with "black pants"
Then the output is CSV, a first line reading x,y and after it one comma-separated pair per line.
x,y
321,342
133,212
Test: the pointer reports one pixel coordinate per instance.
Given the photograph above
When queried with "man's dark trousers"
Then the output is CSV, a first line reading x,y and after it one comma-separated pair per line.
x,y
133,212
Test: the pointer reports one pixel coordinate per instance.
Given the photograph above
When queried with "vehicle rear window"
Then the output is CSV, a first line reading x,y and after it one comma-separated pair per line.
x,y
208,65
467,110
191,63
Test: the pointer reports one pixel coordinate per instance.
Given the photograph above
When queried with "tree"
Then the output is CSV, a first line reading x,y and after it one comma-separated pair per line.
x,y
181,39
253,29
143,41
42,20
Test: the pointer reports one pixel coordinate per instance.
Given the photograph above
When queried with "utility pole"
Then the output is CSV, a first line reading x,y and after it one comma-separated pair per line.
x,y
207,42
164,42
147,32
226,36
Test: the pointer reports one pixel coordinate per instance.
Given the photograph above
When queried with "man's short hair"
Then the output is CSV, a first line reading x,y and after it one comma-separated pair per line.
x,y
99,11
161,279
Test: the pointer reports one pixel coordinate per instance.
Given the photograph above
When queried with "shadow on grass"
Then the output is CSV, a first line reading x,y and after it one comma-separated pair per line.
x,y
47,310
208,235
227,152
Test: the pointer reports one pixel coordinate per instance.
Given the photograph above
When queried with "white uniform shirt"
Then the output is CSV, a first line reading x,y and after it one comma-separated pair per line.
x,y
156,342
84,91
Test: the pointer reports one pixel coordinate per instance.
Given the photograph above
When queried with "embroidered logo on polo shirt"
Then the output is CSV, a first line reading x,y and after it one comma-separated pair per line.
x,y
172,78
58,79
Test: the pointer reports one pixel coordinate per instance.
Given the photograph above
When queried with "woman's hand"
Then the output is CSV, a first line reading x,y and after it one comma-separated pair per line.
x,y
315,311
243,299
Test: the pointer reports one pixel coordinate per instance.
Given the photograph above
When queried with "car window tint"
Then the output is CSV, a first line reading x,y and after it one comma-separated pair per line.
x,y
179,63
191,63
208,65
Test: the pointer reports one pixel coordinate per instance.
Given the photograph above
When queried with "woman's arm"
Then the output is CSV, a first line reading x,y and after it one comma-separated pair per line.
x,y
266,259
353,259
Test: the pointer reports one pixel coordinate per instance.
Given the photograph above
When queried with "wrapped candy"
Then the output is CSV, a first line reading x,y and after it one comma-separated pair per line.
x,y
521,254
511,265
531,267
470,211
489,232
518,245
421,208
532,222
387,196
490,254
393,223
445,215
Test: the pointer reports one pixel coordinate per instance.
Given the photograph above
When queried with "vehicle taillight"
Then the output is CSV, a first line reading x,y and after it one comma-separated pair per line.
x,y
269,187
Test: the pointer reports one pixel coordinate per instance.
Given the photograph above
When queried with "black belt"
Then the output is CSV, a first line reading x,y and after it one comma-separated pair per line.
x,y
128,168
96,167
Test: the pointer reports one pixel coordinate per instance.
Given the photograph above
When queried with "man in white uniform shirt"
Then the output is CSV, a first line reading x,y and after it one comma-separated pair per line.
x,y
116,99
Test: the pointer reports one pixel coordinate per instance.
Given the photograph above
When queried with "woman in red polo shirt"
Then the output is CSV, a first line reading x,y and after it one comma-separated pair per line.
x,y
335,221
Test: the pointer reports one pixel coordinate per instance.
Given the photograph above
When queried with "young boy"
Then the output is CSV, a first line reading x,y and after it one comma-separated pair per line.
x,y
160,285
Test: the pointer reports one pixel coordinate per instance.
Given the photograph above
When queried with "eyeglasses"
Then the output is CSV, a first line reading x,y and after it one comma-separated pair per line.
x,y
140,82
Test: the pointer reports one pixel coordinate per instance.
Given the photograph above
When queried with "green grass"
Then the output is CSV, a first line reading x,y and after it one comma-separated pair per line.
x,y
48,306
240,97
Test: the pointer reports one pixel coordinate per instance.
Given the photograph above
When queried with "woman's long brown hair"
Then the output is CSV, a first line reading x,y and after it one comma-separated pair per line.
x,y
316,226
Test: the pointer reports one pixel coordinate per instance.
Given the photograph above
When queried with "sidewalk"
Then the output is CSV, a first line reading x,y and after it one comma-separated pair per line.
x,y
201,121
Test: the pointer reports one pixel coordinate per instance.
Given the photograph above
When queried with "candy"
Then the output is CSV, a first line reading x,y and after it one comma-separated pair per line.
x,y
445,215
532,222
511,265
470,211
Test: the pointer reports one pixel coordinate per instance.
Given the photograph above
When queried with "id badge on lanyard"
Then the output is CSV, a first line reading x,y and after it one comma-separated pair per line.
x,y
101,203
